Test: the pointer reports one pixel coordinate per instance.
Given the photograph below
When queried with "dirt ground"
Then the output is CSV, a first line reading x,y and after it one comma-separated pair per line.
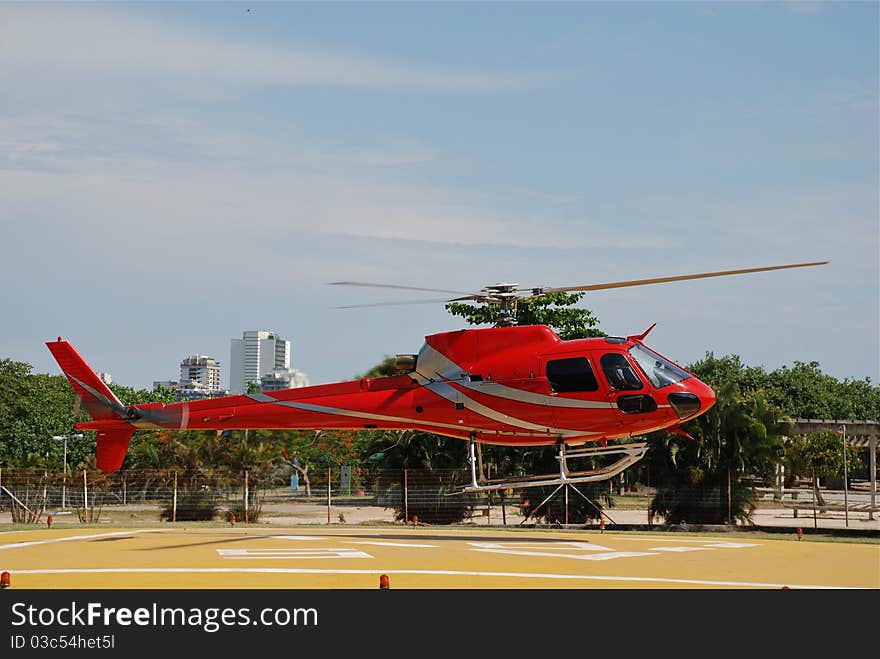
x,y
295,514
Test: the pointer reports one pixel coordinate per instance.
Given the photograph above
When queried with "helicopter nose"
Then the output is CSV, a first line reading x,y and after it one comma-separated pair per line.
x,y
699,397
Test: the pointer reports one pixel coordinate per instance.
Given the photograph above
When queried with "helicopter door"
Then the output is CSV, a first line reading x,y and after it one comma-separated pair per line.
x,y
625,387
577,399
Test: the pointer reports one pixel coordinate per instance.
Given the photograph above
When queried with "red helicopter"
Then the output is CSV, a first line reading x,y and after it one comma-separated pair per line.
x,y
511,385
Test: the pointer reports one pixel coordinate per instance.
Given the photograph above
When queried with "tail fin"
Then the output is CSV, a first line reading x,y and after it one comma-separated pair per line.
x,y
96,397
101,403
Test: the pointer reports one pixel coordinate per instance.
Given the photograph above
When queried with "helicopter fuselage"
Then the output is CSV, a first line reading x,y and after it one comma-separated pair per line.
x,y
519,385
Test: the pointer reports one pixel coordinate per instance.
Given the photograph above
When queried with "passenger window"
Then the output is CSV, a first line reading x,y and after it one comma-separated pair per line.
x,y
573,374
619,373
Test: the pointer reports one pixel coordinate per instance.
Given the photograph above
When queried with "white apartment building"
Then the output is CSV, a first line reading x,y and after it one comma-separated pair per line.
x,y
257,353
202,372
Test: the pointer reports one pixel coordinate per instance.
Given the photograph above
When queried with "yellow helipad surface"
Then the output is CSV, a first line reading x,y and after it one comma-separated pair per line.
x,y
325,557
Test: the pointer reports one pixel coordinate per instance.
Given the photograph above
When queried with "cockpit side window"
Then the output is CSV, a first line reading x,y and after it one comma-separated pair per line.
x,y
574,374
619,373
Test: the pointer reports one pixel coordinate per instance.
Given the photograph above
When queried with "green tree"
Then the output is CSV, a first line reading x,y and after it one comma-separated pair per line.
x,y
551,309
384,369
801,390
33,408
805,392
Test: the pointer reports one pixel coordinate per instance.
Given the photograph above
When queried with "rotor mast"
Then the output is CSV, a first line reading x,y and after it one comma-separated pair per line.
x,y
504,295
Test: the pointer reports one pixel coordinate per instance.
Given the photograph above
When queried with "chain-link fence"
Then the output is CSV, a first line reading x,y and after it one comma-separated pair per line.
x,y
346,495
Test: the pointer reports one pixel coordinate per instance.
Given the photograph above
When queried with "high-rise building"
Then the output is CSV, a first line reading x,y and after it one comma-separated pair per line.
x,y
257,353
199,376
202,369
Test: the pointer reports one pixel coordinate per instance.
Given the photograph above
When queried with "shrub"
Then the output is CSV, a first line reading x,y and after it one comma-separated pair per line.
x,y
192,506
255,510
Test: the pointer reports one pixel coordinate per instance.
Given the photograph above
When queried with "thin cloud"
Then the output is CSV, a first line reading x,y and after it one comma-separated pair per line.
x,y
281,204
121,182
805,6
88,41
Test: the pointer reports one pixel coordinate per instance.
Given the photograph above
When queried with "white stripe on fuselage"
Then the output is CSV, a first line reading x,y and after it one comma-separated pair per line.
x,y
338,411
443,368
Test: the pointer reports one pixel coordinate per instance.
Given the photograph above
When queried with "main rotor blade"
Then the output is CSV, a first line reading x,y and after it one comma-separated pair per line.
x,y
388,304
661,280
407,288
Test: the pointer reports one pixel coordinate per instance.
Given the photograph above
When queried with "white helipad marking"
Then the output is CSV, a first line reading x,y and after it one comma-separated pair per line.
x,y
707,546
583,551
604,556
30,543
320,538
453,573
700,541
386,544
581,546
310,552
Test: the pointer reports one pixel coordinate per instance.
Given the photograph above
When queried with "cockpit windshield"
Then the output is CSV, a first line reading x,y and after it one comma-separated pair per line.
x,y
661,372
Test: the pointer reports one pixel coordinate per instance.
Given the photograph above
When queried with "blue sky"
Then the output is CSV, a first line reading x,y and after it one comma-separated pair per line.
x,y
172,174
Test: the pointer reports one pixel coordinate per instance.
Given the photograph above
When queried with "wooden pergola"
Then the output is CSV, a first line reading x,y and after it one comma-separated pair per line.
x,y
859,432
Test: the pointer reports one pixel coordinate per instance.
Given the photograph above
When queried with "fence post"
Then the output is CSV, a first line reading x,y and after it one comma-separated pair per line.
x,y
123,490
814,488
729,498
174,504
489,497
566,504
246,496
329,476
872,462
85,498
405,497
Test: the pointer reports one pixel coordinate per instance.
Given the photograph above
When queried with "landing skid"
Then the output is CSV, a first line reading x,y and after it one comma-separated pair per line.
x,y
631,454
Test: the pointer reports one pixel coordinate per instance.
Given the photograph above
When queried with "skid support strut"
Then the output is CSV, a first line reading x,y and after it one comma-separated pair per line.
x,y
473,460
629,454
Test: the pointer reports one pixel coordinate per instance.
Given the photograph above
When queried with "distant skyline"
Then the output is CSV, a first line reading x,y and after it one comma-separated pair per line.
x,y
172,174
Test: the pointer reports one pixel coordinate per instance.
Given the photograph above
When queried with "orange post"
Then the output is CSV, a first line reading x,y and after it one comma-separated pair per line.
x,y
384,584
601,525
232,519
49,521
4,580
800,533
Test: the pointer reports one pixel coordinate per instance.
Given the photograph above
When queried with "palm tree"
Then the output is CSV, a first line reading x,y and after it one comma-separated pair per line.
x,y
703,482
